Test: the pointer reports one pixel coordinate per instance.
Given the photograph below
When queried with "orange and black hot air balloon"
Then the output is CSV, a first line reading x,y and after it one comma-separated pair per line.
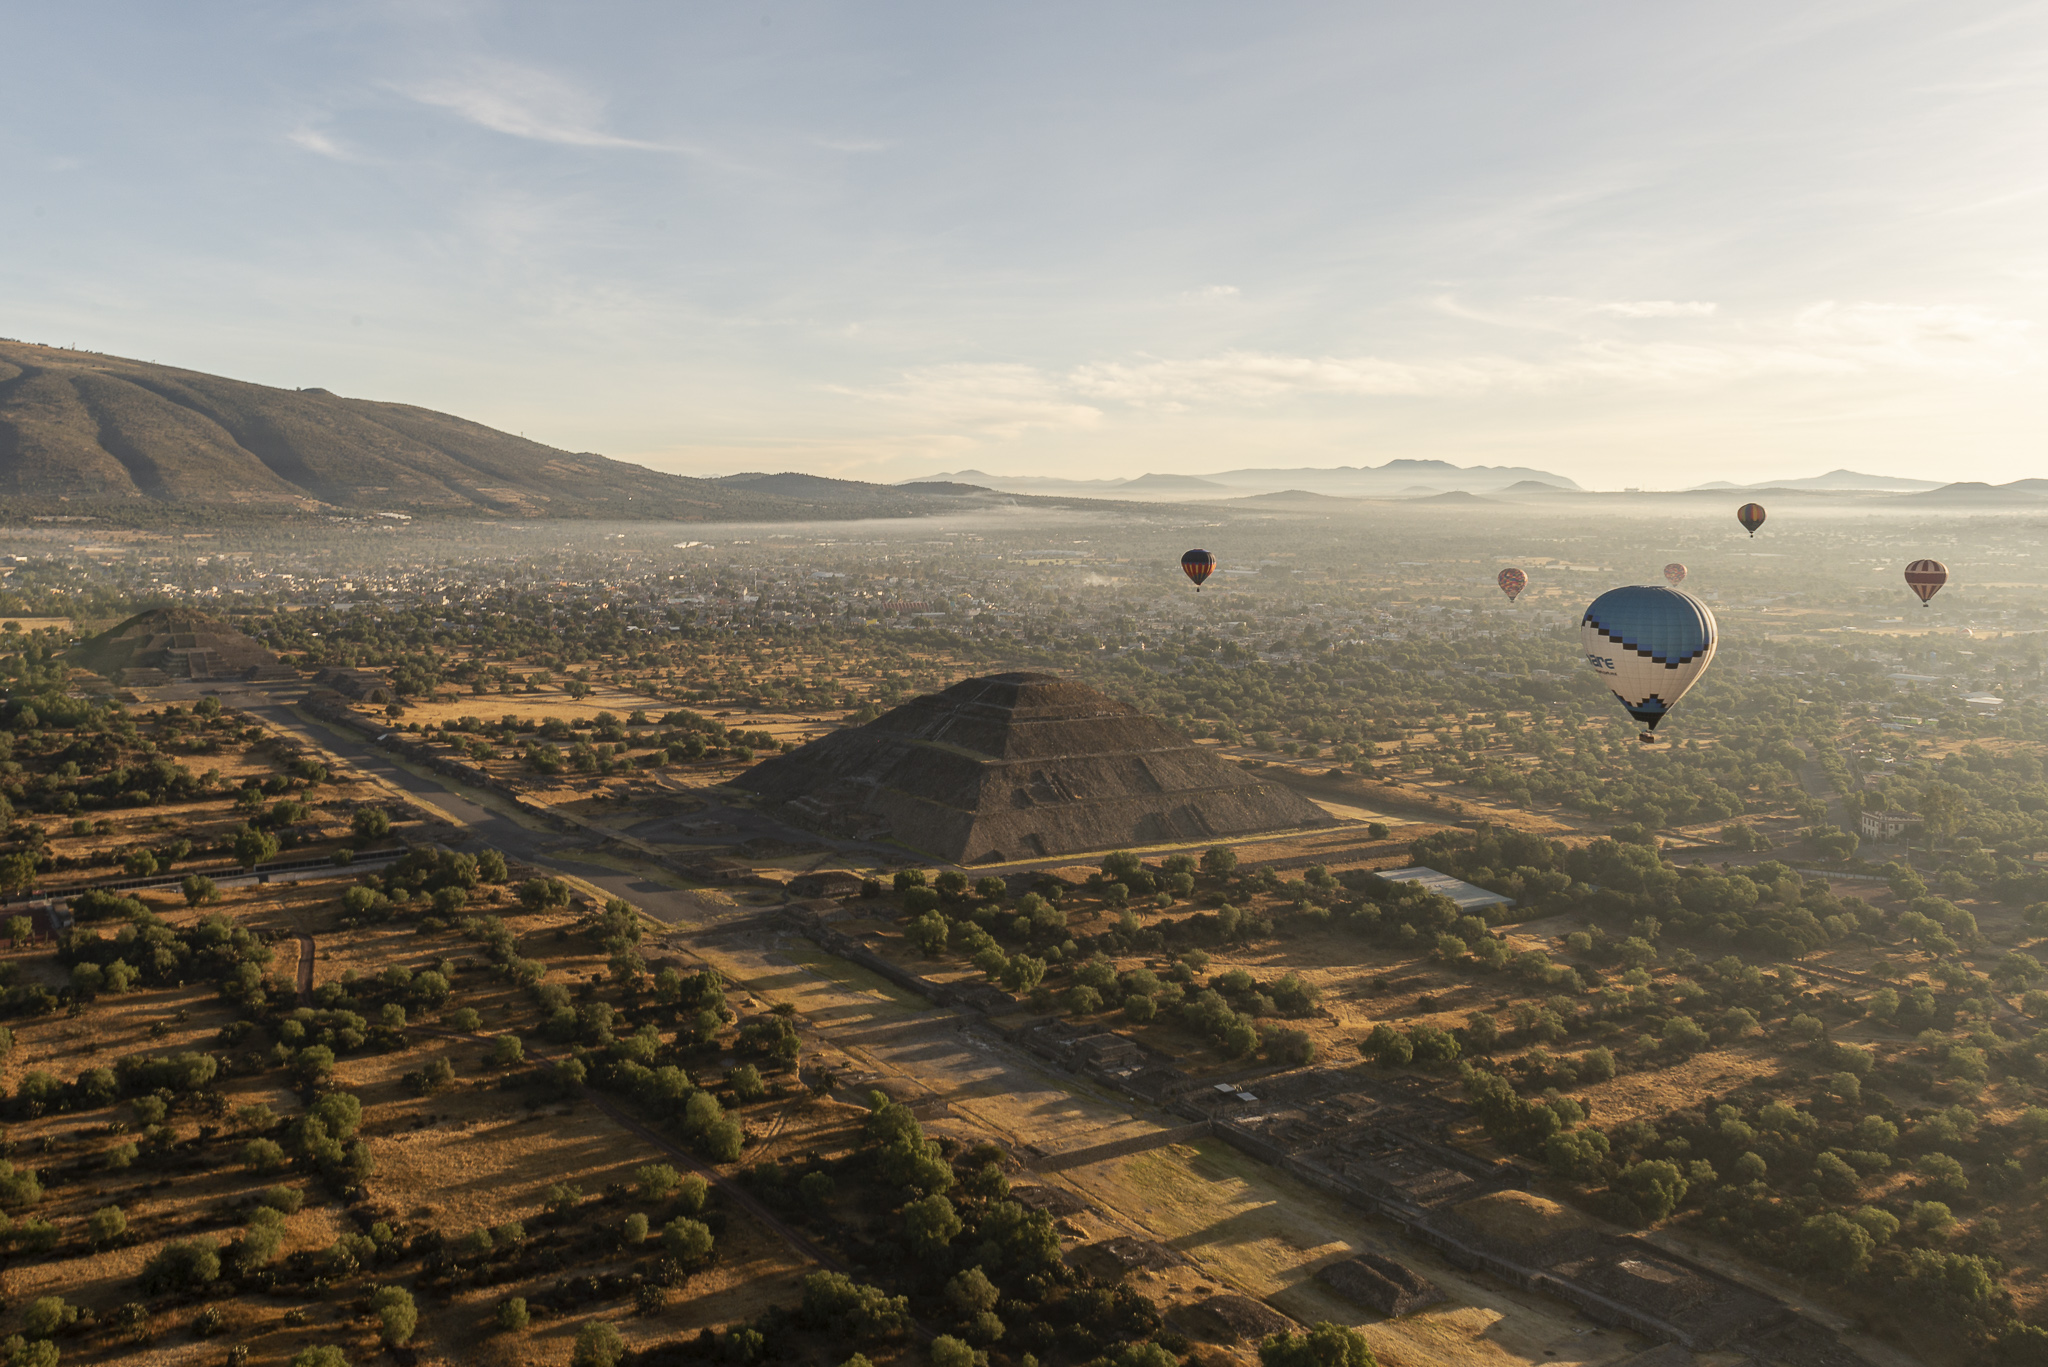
x,y
1751,516
1925,577
1512,581
1198,565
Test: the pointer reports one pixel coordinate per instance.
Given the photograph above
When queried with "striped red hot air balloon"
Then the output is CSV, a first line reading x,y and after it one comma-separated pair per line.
x,y
1925,577
1675,572
1512,582
1198,565
1751,516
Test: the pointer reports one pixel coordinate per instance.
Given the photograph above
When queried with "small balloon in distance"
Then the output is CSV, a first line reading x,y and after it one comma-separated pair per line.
x,y
1751,516
1925,577
1512,582
1675,572
1198,566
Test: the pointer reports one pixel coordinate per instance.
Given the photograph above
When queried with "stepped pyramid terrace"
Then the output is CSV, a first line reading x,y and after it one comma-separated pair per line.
x,y
1022,766
168,644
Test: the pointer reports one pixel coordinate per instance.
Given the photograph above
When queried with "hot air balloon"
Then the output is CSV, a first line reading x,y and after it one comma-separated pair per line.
x,y
1751,516
1198,565
1649,645
1925,577
1512,582
1675,572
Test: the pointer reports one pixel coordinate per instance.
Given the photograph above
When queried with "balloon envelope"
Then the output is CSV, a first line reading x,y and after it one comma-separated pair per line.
x,y
1925,577
1751,516
1675,572
1198,565
1512,582
1648,645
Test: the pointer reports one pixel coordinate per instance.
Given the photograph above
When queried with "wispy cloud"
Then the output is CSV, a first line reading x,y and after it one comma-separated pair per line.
x,y
998,402
1210,294
1825,341
855,144
318,143
526,102
1658,308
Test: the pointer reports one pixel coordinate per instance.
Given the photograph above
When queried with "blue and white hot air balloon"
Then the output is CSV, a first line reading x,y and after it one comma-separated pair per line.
x,y
1649,645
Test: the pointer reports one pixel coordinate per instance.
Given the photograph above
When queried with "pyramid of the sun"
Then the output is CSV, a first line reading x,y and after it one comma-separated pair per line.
x,y
1019,766
163,644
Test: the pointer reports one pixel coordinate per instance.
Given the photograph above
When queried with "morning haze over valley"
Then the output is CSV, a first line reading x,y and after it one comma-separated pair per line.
x,y
879,686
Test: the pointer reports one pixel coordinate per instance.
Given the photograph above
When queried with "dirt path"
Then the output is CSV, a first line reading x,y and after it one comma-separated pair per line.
x,y
305,970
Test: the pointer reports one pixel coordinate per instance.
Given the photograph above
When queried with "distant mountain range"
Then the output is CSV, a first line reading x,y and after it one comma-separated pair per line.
x,y
86,434
1395,479
1844,480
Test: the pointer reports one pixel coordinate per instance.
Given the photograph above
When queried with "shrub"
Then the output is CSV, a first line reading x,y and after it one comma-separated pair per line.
x,y
512,1316
396,1314
656,1181
181,1266
326,1355
106,1224
597,1345
687,1241
46,1315
857,1312
947,1351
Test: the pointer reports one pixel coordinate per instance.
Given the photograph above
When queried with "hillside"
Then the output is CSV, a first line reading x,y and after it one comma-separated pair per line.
x,y
86,432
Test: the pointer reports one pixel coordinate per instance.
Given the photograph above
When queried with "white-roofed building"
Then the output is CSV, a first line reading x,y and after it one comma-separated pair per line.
x,y
1468,896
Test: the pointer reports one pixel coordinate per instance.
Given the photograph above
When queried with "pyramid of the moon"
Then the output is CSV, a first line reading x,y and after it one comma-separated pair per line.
x,y
167,644
1019,766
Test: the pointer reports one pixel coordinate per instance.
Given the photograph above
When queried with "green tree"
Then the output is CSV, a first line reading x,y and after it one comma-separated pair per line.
x,y
931,1225
1835,1244
252,846
370,824
198,890
512,1316
1652,1188
1325,1345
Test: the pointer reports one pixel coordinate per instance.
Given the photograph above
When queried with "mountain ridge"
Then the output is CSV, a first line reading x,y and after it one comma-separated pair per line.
x,y
87,433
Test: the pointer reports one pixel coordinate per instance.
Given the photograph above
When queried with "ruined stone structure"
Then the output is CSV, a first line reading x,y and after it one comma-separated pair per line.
x,y
361,685
1019,766
1377,1281
167,644
1381,1145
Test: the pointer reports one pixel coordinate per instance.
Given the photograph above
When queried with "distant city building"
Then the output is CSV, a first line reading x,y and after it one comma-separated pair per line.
x,y
1887,826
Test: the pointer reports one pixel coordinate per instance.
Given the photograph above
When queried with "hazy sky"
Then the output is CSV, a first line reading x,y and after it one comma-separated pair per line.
x,y
1645,244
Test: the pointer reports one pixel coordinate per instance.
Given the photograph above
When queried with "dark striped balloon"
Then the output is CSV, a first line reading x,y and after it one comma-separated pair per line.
x,y
1925,577
1198,566
1751,516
